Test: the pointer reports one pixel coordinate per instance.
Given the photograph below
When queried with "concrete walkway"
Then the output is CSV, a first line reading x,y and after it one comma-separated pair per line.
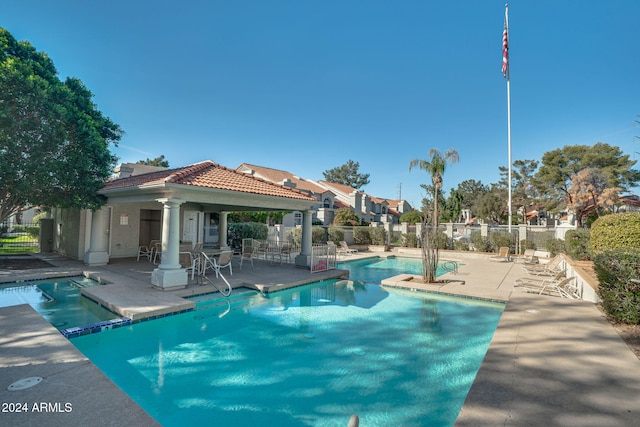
x,y
551,361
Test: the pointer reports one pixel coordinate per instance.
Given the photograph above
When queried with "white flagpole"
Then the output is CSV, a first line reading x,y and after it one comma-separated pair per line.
x,y
505,57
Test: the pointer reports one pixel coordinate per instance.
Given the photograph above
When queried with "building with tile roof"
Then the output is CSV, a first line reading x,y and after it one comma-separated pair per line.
x,y
172,205
332,196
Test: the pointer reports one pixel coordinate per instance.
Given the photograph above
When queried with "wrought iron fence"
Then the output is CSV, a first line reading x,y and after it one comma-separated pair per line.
x,y
19,238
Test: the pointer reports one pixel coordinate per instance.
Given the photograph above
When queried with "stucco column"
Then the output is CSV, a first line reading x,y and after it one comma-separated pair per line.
x,y
222,231
303,260
169,274
449,226
97,253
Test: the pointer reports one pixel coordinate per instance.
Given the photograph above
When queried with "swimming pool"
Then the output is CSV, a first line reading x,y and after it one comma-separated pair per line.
x,y
373,270
307,356
58,300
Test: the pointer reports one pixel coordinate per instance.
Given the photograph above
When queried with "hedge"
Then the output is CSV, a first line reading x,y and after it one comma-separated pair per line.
x,y
616,231
620,297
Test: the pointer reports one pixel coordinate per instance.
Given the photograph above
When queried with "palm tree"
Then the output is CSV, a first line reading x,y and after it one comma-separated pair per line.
x,y
434,167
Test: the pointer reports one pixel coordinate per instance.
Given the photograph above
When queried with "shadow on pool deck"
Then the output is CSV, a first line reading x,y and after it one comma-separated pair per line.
x,y
551,362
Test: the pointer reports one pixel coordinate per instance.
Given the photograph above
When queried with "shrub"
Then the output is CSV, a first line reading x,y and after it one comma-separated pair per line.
x,y
361,236
410,240
554,246
317,235
576,242
442,240
620,298
460,245
618,231
377,235
336,235
245,230
500,240
480,243
526,244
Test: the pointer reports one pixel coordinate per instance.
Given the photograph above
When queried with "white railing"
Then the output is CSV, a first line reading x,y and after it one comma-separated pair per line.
x,y
323,257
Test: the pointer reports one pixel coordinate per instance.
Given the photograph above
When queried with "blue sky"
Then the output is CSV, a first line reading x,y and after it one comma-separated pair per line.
x,y
305,85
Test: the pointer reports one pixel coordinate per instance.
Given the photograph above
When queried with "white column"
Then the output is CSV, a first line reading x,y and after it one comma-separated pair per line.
x,y
169,274
222,231
97,253
303,260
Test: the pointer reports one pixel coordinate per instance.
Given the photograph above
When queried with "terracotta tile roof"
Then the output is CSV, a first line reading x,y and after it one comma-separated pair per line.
x,y
378,200
278,176
208,174
345,189
270,174
340,204
394,202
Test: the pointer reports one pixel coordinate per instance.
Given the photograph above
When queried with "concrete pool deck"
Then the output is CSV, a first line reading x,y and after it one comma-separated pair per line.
x,y
551,361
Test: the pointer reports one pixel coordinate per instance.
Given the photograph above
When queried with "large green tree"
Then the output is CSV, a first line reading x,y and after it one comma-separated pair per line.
x,y
555,175
471,190
434,166
491,206
54,142
347,174
523,184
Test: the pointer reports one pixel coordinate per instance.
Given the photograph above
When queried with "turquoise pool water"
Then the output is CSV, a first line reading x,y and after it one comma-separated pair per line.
x,y
376,269
308,356
58,300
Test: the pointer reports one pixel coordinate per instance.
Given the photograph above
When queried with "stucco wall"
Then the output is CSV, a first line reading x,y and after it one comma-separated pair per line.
x,y
125,228
69,227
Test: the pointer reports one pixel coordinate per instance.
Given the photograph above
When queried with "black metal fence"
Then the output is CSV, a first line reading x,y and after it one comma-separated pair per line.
x,y
19,238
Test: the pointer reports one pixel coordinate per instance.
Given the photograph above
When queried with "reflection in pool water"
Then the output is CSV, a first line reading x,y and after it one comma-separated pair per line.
x,y
311,355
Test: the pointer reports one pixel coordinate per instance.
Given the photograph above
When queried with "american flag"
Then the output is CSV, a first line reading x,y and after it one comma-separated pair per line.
x,y
505,44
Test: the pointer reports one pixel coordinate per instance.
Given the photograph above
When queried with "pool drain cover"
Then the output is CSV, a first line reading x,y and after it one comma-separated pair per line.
x,y
24,383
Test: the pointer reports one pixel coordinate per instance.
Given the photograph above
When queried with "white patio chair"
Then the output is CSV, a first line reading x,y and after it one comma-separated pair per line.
x,y
146,251
223,261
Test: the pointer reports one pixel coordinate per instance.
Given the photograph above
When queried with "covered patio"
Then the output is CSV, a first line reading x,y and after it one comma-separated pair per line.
x,y
171,206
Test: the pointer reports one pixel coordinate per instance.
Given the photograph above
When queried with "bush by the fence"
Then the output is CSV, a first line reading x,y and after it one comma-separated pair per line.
x,y
480,242
361,236
620,297
526,244
245,230
577,244
336,235
500,240
378,235
555,246
460,245
409,240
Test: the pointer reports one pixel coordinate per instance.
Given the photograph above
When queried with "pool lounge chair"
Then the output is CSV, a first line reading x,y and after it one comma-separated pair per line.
x,y
549,269
503,255
528,257
561,288
538,282
346,249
